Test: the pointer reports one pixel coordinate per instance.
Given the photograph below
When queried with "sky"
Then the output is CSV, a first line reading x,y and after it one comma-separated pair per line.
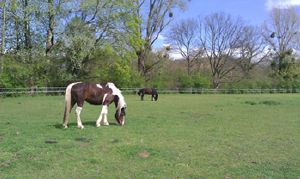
x,y
253,12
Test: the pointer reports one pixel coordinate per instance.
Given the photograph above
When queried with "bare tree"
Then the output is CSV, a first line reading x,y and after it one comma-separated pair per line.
x,y
183,39
251,49
219,37
158,16
281,33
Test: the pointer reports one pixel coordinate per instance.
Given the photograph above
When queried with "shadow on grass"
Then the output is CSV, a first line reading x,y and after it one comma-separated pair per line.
x,y
74,124
268,103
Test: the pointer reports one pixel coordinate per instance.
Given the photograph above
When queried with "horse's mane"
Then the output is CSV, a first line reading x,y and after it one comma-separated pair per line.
x,y
117,92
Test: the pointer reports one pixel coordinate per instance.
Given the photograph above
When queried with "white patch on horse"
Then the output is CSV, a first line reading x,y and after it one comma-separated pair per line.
x,y
104,109
68,90
104,97
121,102
68,103
79,123
103,115
117,92
99,86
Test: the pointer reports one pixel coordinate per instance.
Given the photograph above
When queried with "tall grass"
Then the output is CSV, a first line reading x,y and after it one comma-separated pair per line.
x,y
179,136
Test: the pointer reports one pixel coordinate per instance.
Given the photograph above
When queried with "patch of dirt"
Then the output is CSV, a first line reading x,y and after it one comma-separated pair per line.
x,y
144,154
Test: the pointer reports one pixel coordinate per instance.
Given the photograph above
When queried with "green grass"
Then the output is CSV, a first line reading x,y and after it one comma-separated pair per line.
x,y
179,136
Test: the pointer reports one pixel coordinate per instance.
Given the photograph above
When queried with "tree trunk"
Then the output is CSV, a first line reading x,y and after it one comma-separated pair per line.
x,y
3,28
141,63
3,33
189,66
16,24
27,33
50,32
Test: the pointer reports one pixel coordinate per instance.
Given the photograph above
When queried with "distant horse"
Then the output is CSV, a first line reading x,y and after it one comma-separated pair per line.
x,y
97,94
152,91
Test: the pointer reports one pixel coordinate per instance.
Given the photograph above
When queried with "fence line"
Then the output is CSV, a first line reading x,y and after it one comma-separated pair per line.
x,y
61,90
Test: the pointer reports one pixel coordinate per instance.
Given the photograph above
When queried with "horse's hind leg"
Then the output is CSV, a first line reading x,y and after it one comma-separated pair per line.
x,y
68,109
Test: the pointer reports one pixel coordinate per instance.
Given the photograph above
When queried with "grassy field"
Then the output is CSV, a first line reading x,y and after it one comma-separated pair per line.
x,y
179,136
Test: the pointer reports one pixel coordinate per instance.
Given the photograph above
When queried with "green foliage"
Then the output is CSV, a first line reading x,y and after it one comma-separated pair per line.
x,y
195,80
106,65
14,73
80,40
284,65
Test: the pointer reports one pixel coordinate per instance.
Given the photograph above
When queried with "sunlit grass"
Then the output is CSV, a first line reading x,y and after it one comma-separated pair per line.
x,y
179,136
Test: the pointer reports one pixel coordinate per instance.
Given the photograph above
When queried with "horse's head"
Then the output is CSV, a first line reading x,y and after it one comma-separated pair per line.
x,y
119,103
120,116
120,109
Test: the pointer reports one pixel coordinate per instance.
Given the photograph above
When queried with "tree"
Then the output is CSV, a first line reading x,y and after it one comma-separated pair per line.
x,y
15,22
158,16
251,49
3,5
51,26
219,37
27,27
79,43
281,33
182,37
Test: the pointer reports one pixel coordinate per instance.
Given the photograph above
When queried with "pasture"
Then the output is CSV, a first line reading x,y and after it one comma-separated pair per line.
x,y
179,136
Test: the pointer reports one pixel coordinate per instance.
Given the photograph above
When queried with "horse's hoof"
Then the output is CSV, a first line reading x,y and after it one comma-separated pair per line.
x,y
65,127
98,125
80,127
106,124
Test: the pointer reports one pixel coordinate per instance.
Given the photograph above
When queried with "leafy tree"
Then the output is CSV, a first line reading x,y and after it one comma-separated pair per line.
x,y
15,73
79,42
105,65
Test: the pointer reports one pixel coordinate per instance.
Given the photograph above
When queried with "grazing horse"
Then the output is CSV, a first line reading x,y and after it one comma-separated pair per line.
x,y
152,91
96,94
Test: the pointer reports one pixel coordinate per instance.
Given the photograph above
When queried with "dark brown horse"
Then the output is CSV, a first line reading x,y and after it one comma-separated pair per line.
x,y
151,91
97,94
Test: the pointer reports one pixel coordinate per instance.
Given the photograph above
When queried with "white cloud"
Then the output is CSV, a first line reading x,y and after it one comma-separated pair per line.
x,y
175,55
161,37
282,4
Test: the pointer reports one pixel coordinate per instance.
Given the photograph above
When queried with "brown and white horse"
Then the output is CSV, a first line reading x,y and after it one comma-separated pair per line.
x,y
97,94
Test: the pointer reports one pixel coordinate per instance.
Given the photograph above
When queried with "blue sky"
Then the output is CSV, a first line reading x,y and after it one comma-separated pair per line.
x,y
253,12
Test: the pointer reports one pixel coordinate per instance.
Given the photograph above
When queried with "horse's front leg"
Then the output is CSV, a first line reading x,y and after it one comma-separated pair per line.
x,y
142,97
79,123
103,115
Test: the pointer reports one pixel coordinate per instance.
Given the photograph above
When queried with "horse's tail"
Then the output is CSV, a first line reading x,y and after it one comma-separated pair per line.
x,y
68,104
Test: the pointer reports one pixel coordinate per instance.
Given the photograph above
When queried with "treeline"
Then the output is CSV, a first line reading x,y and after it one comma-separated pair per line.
x,y
55,42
